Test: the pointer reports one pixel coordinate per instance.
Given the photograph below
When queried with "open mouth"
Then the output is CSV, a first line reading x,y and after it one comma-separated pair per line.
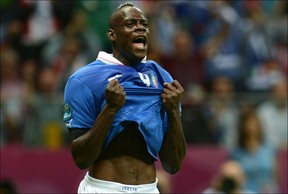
x,y
139,42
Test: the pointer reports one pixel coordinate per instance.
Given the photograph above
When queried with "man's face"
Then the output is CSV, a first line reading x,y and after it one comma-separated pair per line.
x,y
131,34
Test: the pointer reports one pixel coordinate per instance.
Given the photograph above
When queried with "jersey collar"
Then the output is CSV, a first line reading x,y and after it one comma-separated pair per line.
x,y
109,59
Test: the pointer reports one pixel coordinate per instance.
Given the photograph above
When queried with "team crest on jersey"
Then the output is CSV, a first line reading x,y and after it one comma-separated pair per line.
x,y
154,80
67,110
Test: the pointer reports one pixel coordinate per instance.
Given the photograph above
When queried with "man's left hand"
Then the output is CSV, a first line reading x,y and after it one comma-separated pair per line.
x,y
172,95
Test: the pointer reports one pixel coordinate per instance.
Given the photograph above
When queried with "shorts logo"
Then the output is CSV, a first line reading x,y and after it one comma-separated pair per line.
x,y
129,189
67,110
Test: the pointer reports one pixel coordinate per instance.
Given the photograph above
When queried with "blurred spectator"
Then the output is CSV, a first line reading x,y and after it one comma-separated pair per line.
x,y
223,47
194,117
69,59
273,115
277,31
262,69
230,180
95,11
196,17
62,12
28,25
12,25
258,46
261,78
12,97
223,112
184,63
165,26
44,126
12,34
44,20
78,29
257,158
29,71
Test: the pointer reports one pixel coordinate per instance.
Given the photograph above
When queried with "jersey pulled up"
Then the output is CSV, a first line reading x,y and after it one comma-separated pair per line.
x,y
84,98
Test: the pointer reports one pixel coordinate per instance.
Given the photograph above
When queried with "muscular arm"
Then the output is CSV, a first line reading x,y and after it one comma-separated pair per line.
x,y
86,147
173,148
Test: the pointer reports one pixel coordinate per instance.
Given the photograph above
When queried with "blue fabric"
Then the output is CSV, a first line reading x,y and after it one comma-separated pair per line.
x,y
85,95
258,167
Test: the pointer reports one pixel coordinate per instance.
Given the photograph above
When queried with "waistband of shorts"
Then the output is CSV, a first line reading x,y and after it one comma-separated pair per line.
x,y
119,186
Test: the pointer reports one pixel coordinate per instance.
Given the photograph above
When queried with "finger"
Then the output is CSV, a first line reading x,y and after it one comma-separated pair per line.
x,y
115,85
112,83
165,84
120,89
164,97
167,91
176,84
169,86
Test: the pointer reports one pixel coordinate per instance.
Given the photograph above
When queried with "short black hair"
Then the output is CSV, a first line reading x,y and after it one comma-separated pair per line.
x,y
127,4
115,12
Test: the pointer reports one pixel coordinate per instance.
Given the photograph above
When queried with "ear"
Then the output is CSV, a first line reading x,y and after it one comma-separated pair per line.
x,y
111,35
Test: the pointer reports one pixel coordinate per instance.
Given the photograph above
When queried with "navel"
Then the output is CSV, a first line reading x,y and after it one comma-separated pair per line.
x,y
133,174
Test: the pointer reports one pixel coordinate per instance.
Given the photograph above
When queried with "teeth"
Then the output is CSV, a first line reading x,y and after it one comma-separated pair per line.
x,y
139,42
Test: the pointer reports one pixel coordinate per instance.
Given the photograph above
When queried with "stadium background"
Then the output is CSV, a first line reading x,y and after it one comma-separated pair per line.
x,y
226,53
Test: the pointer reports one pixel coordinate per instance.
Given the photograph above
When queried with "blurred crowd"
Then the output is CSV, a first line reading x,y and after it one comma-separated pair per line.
x,y
229,55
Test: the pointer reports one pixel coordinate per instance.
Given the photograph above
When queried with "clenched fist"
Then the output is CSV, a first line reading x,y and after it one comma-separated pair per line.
x,y
115,95
172,95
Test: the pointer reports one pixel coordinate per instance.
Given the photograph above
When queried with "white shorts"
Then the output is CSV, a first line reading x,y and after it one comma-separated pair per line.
x,y
92,185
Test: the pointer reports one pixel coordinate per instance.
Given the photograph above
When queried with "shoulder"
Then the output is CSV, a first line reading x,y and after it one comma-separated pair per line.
x,y
159,69
94,72
268,147
88,78
90,68
154,64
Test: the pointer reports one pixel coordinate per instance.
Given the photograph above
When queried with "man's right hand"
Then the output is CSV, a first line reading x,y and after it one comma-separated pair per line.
x,y
115,95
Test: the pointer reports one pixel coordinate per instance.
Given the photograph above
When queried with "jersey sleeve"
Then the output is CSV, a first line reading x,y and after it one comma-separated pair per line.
x,y
79,109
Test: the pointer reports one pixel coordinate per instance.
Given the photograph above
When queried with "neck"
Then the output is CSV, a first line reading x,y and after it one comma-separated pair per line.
x,y
126,59
252,144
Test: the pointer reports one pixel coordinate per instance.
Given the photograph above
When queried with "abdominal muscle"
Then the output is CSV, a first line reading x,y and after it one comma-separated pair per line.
x,y
125,160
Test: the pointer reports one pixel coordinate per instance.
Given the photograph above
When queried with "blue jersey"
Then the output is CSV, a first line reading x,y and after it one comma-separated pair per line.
x,y
84,98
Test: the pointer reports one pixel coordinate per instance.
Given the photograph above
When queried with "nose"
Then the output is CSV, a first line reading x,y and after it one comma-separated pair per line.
x,y
140,27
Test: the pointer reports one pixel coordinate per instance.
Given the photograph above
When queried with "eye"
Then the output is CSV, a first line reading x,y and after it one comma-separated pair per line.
x,y
130,23
145,24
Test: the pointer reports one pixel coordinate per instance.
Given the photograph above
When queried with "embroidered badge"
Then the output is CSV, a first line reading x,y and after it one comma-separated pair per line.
x,y
154,80
67,110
